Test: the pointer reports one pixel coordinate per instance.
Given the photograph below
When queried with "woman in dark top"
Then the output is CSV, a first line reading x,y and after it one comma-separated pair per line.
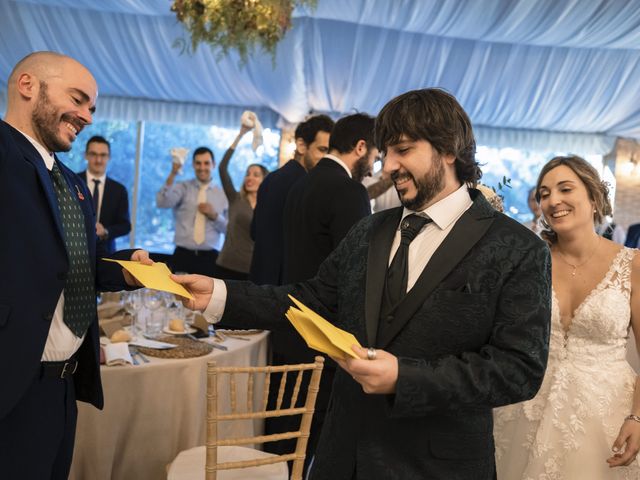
x,y
235,258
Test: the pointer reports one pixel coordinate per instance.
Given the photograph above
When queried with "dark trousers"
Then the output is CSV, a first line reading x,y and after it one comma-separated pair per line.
x,y
292,423
36,437
194,261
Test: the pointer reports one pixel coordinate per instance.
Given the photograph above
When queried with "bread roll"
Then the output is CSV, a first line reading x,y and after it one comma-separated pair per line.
x,y
120,336
176,325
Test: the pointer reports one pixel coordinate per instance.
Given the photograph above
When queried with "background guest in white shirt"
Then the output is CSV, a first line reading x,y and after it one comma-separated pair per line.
x,y
200,215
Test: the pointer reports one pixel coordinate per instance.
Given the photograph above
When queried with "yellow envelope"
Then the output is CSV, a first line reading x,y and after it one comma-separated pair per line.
x,y
320,334
154,276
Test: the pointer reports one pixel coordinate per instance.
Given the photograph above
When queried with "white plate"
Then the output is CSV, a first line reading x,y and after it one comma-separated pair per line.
x,y
187,331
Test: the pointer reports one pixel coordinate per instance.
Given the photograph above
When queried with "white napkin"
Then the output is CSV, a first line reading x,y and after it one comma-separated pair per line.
x,y
250,120
117,354
178,155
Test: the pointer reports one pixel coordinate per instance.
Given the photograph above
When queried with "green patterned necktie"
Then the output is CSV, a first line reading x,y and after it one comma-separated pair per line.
x,y
79,288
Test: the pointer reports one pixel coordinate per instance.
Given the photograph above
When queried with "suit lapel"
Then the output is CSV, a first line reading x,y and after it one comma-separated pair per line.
x,y
377,257
470,228
33,157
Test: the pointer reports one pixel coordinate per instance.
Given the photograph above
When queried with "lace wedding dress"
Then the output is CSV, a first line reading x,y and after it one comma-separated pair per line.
x,y
567,430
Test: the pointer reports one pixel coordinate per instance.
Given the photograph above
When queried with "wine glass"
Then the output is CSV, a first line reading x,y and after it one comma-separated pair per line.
x,y
132,303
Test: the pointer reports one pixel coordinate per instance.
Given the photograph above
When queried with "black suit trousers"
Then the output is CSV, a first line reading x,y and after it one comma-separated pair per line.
x,y
36,437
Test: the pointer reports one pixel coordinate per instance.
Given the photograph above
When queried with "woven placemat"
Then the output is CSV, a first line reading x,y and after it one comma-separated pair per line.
x,y
239,332
187,348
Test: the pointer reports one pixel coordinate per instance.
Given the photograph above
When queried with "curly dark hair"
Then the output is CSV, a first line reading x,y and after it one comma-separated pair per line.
x,y
433,115
597,189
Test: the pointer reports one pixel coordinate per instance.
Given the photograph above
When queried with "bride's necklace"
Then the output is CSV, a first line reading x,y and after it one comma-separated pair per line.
x,y
577,265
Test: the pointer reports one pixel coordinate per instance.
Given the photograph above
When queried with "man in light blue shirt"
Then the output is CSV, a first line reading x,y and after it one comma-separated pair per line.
x,y
199,210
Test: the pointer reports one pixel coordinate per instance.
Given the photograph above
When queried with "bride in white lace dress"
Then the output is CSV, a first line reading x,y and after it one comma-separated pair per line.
x,y
584,423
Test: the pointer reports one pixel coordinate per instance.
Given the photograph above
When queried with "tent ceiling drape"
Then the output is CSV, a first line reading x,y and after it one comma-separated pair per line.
x,y
548,65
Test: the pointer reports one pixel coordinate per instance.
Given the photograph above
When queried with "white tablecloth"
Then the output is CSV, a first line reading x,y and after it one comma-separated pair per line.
x,y
152,412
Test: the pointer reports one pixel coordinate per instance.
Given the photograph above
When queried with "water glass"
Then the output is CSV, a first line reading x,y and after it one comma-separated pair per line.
x,y
155,322
153,299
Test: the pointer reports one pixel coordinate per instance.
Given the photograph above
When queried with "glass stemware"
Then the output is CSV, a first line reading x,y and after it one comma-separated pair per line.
x,y
132,303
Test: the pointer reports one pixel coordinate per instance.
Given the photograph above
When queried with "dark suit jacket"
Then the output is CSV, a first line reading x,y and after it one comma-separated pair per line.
x,y
321,208
34,265
114,213
633,236
266,226
471,335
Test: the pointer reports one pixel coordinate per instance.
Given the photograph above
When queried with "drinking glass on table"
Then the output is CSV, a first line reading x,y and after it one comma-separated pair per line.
x,y
154,301
132,303
175,311
188,315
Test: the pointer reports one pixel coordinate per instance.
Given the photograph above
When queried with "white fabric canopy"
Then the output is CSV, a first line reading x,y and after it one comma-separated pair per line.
x,y
567,66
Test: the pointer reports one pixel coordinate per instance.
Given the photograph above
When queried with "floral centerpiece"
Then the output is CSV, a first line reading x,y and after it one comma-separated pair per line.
x,y
237,24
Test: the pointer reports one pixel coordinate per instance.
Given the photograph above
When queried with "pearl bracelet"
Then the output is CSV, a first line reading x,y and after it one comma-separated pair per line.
x,y
633,417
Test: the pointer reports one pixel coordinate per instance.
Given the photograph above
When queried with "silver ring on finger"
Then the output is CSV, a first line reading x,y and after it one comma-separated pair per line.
x,y
371,353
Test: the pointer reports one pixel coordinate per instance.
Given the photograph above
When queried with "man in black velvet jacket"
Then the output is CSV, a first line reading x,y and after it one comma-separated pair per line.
x,y
470,333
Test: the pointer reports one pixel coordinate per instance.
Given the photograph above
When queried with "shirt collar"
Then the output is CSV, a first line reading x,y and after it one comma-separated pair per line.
x,y
447,210
46,155
91,176
339,162
199,184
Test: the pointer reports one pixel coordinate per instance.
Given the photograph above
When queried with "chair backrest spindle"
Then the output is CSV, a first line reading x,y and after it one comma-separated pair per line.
x,y
296,389
283,384
215,374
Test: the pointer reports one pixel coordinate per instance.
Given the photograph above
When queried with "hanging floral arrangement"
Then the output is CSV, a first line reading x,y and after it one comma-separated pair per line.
x,y
237,24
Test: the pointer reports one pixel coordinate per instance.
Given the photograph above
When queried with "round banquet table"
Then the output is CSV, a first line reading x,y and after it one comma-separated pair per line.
x,y
153,411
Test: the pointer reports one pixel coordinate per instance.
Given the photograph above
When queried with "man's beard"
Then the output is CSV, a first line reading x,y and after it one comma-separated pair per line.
x,y
308,162
361,168
46,122
430,185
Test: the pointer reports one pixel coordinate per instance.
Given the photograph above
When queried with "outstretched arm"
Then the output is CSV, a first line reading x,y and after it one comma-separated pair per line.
x,y
170,195
223,169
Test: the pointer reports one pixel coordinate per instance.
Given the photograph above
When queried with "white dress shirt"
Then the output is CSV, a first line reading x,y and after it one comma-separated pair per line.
x,y
444,214
182,197
61,343
90,184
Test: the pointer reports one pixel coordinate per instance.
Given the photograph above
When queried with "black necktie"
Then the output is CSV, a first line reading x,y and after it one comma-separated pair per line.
x,y
96,195
396,284
79,289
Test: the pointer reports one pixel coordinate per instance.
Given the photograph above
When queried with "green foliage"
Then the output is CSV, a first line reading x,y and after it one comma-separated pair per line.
x,y
240,25
505,183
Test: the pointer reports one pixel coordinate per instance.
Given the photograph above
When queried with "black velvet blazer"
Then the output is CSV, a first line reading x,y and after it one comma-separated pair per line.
x,y
471,335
